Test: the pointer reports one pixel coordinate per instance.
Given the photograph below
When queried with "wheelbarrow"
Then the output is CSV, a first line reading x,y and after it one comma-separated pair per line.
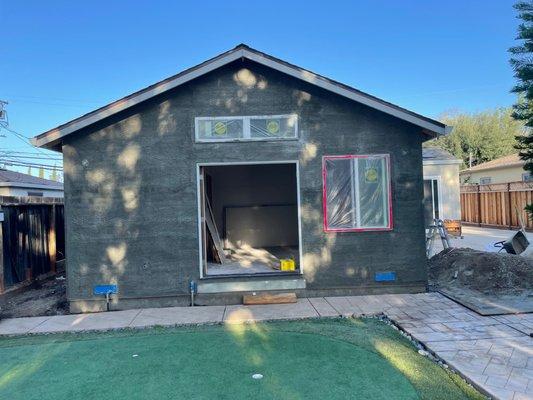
x,y
516,244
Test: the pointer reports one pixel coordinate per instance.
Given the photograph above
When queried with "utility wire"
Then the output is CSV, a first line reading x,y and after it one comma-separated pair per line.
x,y
25,139
27,155
25,164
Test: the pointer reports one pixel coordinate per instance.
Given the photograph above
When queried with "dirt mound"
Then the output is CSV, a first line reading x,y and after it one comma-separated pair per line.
x,y
41,298
497,273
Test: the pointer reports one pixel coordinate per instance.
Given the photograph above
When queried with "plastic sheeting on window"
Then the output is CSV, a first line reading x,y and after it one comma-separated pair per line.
x,y
273,127
357,192
220,128
339,193
264,127
373,192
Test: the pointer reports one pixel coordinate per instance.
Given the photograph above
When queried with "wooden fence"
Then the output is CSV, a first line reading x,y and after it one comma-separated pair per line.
x,y
32,239
498,205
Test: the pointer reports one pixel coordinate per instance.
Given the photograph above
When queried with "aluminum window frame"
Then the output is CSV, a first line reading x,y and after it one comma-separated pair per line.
x,y
438,179
354,167
247,132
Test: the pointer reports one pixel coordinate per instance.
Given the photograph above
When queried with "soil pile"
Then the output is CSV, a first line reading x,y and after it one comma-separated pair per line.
x,y
41,298
498,273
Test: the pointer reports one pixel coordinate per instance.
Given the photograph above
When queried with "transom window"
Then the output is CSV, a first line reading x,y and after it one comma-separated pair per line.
x,y
357,193
264,127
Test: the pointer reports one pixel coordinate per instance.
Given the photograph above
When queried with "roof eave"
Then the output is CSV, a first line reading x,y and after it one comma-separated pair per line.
x,y
30,186
51,138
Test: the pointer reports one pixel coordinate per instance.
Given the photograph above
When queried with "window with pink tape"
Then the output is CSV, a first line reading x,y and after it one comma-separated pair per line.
x,y
357,193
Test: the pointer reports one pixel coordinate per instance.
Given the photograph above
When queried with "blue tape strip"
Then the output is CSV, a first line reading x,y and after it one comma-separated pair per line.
x,y
385,276
105,289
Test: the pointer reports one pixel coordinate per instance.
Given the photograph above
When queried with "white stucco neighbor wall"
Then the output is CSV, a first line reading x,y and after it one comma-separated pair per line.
x,y
450,202
23,191
497,175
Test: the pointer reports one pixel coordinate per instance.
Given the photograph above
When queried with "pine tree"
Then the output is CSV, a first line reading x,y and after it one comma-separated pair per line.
x,y
522,63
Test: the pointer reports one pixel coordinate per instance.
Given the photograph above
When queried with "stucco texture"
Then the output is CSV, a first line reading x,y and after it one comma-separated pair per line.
x,y
131,193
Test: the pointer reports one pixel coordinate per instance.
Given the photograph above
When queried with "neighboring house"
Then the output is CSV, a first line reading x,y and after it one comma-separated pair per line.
x,y
17,184
442,198
501,170
218,173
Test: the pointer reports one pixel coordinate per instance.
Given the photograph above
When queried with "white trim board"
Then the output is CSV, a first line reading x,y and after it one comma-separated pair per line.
x,y
241,285
31,186
439,191
50,138
199,217
441,162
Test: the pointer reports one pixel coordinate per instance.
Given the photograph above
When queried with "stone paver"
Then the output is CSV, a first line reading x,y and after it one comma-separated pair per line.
x,y
493,353
520,322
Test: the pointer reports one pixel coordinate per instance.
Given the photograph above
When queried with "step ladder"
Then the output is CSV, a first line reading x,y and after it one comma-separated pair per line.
x,y
437,227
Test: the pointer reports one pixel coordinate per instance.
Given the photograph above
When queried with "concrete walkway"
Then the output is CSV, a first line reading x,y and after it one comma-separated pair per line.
x,y
479,238
493,353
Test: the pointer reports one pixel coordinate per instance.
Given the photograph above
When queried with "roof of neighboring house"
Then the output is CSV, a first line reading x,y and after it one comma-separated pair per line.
x,y
17,179
52,138
512,160
436,155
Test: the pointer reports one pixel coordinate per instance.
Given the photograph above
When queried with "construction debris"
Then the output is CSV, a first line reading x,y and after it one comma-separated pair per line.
x,y
482,271
42,298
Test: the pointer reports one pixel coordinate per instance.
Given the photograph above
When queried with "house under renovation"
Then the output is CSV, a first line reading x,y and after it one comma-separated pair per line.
x,y
242,174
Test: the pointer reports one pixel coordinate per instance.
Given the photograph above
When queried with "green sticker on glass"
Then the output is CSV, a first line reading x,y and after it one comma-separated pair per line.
x,y
273,127
220,128
371,175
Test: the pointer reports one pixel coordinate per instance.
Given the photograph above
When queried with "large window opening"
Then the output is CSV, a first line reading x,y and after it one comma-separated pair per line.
x,y
357,193
249,219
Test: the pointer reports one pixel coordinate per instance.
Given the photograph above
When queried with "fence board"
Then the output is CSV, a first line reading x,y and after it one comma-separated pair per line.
x,y
497,204
33,239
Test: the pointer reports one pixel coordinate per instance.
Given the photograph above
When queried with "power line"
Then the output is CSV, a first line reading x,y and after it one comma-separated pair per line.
x,y
33,165
25,139
29,157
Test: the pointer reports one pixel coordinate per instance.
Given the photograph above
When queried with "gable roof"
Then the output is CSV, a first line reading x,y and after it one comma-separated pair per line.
x,y
12,179
436,155
50,138
512,160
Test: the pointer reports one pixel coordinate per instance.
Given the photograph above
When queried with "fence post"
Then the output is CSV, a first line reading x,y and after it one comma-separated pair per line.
x,y
509,208
478,205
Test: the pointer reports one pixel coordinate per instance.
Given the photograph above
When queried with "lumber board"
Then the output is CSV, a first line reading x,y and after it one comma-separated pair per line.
x,y
269,298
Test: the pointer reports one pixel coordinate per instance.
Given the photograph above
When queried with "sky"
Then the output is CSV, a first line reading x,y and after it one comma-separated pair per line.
x,y
62,59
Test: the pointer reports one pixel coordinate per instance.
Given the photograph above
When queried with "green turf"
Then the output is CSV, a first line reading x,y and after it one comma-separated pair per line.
x,y
318,359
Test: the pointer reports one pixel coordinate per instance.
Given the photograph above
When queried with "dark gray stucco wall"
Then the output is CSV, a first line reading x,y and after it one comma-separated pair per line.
x,y
131,198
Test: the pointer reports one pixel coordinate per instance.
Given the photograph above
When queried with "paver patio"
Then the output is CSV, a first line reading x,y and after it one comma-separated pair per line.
x,y
493,353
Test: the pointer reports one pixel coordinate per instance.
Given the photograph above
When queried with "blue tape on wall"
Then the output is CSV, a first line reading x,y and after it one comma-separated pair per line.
x,y
385,276
105,289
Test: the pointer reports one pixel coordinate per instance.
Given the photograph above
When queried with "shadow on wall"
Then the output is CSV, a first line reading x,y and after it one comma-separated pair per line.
x,y
126,175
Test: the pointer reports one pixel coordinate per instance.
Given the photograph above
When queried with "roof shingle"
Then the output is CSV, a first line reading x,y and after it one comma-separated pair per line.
x,y
512,160
7,176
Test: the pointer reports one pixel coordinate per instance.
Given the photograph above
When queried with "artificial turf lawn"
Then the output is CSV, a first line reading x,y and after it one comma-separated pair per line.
x,y
314,359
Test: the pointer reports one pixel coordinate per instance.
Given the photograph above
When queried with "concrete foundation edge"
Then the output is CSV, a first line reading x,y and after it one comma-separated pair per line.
x,y
180,300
